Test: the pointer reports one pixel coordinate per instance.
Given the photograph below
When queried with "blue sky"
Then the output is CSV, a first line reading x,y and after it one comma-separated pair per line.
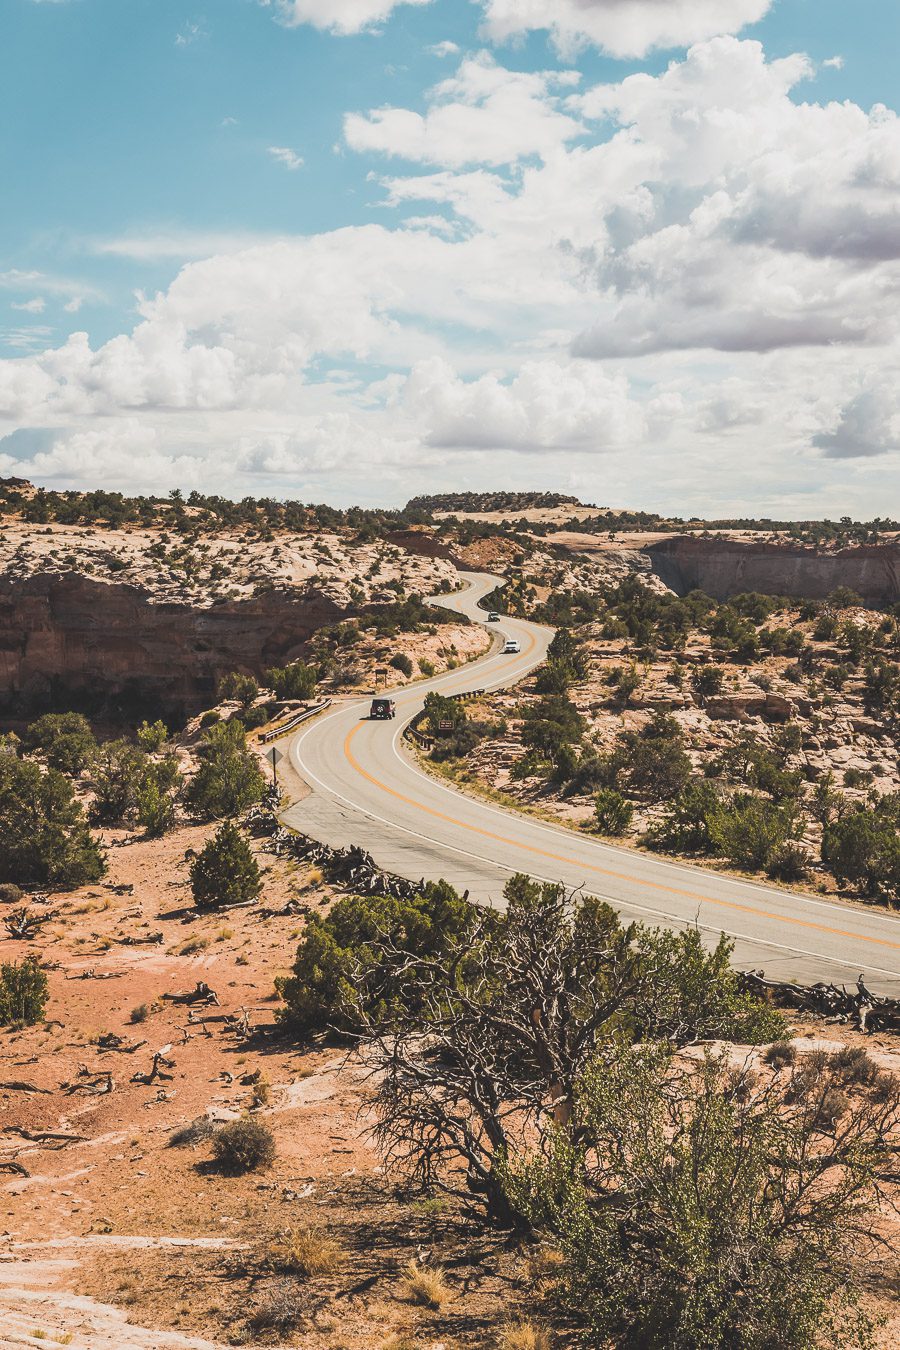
x,y
266,298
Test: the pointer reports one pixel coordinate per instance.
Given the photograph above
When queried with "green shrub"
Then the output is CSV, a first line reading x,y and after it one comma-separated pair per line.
x,y
340,973
44,837
243,688
612,812
686,825
788,862
426,667
23,993
210,718
750,830
65,741
229,778
402,663
740,1229
130,786
225,871
152,736
243,1146
862,846
297,680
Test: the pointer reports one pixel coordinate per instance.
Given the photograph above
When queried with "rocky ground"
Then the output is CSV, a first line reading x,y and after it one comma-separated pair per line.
x,y
115,1239
231,564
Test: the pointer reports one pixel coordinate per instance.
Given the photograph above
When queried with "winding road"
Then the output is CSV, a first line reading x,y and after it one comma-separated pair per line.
x,y
367,789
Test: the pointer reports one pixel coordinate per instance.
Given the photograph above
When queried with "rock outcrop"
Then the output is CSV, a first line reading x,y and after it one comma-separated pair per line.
x,y
726,567
72,633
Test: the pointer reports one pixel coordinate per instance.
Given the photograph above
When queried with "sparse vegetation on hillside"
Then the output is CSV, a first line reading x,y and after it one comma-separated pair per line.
x,y
725,727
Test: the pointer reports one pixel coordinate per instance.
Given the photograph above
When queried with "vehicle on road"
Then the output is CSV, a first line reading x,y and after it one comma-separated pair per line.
x,y
382,709
511,645
493,618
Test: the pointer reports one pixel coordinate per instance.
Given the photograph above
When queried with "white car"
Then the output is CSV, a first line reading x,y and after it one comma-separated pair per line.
x,y
511,645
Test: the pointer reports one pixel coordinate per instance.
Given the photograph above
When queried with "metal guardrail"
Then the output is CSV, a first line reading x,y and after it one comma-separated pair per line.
x,y
295,721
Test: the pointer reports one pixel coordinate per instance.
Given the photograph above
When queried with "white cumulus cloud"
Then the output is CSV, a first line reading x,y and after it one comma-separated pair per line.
x,y
623,28
283,154
484,114
339,16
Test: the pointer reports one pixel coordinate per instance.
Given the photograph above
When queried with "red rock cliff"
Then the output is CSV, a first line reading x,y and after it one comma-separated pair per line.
x,y
725,567
71,632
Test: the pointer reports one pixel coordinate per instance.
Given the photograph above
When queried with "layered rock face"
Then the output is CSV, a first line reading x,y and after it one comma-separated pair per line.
x,y
73,633
726,567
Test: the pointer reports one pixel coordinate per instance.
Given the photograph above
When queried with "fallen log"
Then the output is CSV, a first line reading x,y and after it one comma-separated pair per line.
x,y
201,993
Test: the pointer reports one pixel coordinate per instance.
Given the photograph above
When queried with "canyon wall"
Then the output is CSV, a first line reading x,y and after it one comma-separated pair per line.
x,y
72,633
726,567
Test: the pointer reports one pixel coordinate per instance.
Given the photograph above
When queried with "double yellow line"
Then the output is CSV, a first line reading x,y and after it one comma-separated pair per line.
x,y
658,886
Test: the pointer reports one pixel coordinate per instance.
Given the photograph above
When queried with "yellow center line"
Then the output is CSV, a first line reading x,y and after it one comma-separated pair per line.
x,y
594,867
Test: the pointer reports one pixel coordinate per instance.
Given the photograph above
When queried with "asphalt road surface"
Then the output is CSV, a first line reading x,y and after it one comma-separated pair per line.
x,y
368,790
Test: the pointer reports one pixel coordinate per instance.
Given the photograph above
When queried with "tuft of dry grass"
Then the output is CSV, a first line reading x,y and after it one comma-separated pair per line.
x,y
424,1286
310,1252
542,1263
524,1335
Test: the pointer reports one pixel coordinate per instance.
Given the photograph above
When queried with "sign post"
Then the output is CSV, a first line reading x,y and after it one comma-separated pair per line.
x,y
274,756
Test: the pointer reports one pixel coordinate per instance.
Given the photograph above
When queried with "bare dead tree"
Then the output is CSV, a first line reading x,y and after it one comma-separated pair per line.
x,y
489,1042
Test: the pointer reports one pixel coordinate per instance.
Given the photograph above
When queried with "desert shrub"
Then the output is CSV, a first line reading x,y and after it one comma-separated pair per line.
x,y
152,736
140,1013
492,1031
862,846
524,1335
402,663
192,1135
842,597
685,827
210,718
281,1311
788,862
251,718
23,993
64,740
551,722
243,1146
852,1066
881,688
225,871
734,1220
130,786
426,667
707,681
44,836
780,1055
243,688
857,778
750,830
229,778
655,767
612,812
154,803
341,974
297,680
